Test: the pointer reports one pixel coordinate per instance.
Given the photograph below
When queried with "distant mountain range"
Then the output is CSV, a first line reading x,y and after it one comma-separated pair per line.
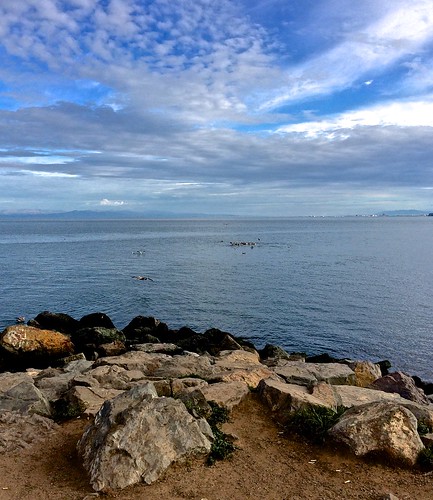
x,y
127,214
103,215
402,213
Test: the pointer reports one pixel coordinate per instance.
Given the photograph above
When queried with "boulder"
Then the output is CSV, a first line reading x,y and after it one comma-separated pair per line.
x,y
384,366
298,372
180,384
97,319
358,396
240,366
86,401
135,438
195,402
141,327
93,337
327,394
53,383
114,348
115,377
322,358
147,363
366,372
383,428
185,366
60,322
18,431
272,355
25,398
282,398
402,384
227,394
427,387
170,349
27,346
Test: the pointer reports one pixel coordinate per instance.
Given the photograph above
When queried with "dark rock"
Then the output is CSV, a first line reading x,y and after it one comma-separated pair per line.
x,y
56,321
322,358
427,387
272,351
97,319
141,336
384,366
87,339
402,384
142,326
212,341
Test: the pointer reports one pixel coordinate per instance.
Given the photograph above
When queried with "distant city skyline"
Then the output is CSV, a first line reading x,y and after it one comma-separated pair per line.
x,y
247,107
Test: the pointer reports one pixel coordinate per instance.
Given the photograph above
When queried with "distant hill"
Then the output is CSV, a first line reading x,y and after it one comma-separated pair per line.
x,y
103,215
403,213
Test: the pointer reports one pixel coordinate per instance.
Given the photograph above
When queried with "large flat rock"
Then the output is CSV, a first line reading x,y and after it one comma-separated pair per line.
x,y
298,372
284,398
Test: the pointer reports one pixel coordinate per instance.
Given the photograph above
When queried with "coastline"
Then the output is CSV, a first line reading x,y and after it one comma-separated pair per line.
x,y
105,364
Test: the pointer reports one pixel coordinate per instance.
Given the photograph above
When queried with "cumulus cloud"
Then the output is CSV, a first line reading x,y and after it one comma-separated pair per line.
x,y
111,203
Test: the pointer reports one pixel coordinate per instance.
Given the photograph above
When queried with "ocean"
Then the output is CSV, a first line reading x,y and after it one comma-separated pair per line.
x,y
356,287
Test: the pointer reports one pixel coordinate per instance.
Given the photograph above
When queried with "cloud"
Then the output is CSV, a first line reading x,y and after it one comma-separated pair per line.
x,y
172,105
398,34
399,114
111,203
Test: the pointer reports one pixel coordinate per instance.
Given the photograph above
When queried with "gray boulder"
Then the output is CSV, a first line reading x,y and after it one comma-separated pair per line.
x,y
384,428
136,436
115,377
18,431
146,362
81,400
185,366
18,393
298,372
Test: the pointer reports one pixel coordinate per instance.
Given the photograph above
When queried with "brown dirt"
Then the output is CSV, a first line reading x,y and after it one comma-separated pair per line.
x,y
267,465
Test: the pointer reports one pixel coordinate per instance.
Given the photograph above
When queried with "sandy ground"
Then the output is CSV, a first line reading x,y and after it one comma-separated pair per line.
x,y
267,465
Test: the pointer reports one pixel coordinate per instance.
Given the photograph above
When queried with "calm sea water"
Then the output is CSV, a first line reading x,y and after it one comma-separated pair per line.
x,y
353,287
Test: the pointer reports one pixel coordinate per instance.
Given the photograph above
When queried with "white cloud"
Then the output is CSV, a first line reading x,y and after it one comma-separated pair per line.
x,y
41,173
398,114
399,33
112,203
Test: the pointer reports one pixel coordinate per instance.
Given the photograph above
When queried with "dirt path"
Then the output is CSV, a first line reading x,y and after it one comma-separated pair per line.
x,y
267,466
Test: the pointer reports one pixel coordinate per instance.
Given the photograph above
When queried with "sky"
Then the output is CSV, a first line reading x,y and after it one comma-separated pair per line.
x,y
243,107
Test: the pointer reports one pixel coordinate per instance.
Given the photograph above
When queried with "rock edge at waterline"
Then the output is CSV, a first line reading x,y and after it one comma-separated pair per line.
x,y
147,392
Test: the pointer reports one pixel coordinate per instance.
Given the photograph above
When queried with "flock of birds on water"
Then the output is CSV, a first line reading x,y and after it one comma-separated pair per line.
x,y
235,244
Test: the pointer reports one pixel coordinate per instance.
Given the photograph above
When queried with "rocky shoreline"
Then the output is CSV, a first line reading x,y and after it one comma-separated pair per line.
x,y
151,394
